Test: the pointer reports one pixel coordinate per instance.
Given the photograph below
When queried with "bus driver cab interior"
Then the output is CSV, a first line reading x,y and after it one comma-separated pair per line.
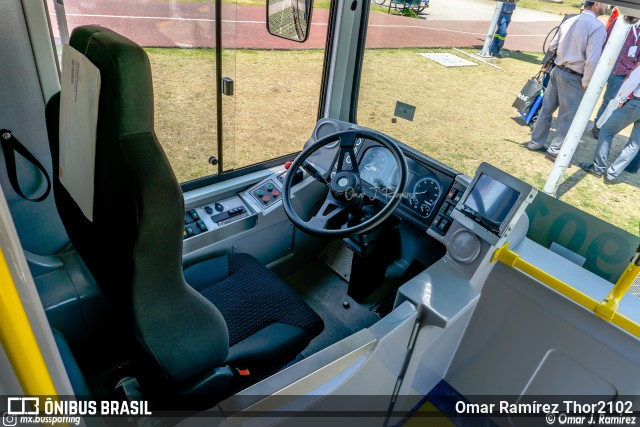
x,y
191,329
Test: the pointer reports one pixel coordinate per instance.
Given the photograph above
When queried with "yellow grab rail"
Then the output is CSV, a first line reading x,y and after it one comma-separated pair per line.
x,y
605,309
608,308
19,341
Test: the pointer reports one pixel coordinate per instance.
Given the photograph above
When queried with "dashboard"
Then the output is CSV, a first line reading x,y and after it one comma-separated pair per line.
x,y
427,202
428,184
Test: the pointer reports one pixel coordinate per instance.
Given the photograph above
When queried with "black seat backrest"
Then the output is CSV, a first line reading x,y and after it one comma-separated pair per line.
x,y
133,247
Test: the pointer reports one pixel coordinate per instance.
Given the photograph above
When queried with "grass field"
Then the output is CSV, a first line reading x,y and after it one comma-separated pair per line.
x,y
463,116
271,114
564,8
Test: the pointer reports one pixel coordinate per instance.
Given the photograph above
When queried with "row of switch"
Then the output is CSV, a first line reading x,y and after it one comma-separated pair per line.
x,y
260,193
443,220
194,229
191,216
265,199
228,214
236,211
194,225
216,205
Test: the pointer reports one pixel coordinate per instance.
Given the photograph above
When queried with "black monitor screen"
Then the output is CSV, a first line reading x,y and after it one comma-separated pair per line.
x,y
491,200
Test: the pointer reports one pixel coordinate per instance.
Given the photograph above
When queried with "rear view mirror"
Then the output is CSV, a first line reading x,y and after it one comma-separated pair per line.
x,y
289,19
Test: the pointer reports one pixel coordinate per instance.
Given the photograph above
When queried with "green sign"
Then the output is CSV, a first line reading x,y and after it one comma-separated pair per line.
x,y
607,249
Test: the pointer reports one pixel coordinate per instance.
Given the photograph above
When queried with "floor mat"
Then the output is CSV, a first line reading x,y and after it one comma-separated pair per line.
x,y
325,293
338,258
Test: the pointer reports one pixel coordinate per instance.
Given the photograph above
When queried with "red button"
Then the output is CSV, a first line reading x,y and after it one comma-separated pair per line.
x,y
243,372
287,165
275,194
265,199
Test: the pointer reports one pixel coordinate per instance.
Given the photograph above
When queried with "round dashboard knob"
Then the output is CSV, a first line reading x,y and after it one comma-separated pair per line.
x,y
464,246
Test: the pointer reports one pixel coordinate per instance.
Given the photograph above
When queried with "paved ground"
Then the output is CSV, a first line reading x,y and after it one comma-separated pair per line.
x,y
450,23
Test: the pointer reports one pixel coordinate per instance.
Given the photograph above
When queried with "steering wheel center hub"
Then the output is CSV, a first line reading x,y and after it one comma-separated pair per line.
x,y
345,186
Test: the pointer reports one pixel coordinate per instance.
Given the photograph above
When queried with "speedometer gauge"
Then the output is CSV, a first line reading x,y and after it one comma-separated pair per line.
x,y
374,164
425,194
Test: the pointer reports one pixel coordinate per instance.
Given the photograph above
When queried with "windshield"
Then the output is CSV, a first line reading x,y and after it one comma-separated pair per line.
x,y
423,84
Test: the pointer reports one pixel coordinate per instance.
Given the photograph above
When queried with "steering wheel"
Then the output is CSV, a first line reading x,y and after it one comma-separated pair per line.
x,y
345,193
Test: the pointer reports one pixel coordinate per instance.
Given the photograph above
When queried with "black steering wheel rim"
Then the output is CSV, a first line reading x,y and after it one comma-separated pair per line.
x,y
370,223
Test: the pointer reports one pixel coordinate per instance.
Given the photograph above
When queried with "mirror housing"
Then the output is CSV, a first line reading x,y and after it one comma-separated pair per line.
x,y
289,19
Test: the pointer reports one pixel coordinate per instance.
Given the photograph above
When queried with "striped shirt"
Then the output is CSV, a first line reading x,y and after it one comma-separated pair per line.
x,y
579,44
625,63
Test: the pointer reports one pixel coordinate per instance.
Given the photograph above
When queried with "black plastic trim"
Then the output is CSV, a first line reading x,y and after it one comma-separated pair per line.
x,y
219,129
362,39
328,49
214,179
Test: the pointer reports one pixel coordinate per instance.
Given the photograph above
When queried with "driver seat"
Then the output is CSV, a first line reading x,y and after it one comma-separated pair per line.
x,y
191,331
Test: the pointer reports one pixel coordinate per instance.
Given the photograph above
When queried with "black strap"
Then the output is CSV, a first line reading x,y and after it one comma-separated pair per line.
x,y
11,144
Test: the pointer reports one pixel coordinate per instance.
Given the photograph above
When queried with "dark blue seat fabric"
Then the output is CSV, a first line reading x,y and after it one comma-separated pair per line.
x,y
251,298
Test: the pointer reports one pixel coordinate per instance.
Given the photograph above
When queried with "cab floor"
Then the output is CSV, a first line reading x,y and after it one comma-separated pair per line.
x,y
325,292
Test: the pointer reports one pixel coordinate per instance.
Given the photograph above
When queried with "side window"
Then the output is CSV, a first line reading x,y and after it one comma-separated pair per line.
x,y
276,82
463,115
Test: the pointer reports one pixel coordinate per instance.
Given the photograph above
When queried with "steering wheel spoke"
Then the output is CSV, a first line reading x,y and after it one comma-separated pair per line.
x,y
331,214
347,154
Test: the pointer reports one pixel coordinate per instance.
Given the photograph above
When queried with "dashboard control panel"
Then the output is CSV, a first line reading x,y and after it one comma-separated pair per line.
x,y
266,193
214,215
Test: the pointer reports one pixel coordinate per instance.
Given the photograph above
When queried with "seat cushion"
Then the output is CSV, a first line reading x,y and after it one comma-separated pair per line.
x,y
251,298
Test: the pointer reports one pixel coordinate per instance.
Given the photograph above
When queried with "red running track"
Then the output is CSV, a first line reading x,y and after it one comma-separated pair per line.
x,y
171,23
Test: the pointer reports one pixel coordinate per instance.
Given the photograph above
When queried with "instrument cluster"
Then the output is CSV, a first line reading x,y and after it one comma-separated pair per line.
x,y
426,186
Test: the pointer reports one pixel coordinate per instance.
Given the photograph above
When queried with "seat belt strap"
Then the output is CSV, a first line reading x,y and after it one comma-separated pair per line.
x,y
10,146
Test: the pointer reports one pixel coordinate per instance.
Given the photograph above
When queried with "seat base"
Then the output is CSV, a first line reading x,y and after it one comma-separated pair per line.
x,y
268,323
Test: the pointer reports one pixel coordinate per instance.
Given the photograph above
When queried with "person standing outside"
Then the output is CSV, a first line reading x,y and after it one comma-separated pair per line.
x,y
626,62
628,112
578,45
501,33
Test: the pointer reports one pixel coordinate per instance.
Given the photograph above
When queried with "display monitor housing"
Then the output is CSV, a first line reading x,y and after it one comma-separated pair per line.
x,y
493,203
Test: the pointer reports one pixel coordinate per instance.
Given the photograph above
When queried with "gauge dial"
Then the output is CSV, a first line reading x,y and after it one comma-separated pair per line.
x,y
374,164
425,194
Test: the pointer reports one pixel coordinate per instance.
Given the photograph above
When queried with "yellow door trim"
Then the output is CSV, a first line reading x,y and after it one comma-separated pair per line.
x,y
19,341
606,310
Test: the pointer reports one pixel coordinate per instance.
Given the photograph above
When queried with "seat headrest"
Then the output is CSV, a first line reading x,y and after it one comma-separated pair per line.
x,y
124,70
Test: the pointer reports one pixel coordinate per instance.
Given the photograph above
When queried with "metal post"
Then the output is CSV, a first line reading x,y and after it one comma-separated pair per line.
x,y
492,28
61,17
588,103
219,128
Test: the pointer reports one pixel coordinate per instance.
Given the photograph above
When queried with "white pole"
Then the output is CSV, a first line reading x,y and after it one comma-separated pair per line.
x,y
588,103
492,28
